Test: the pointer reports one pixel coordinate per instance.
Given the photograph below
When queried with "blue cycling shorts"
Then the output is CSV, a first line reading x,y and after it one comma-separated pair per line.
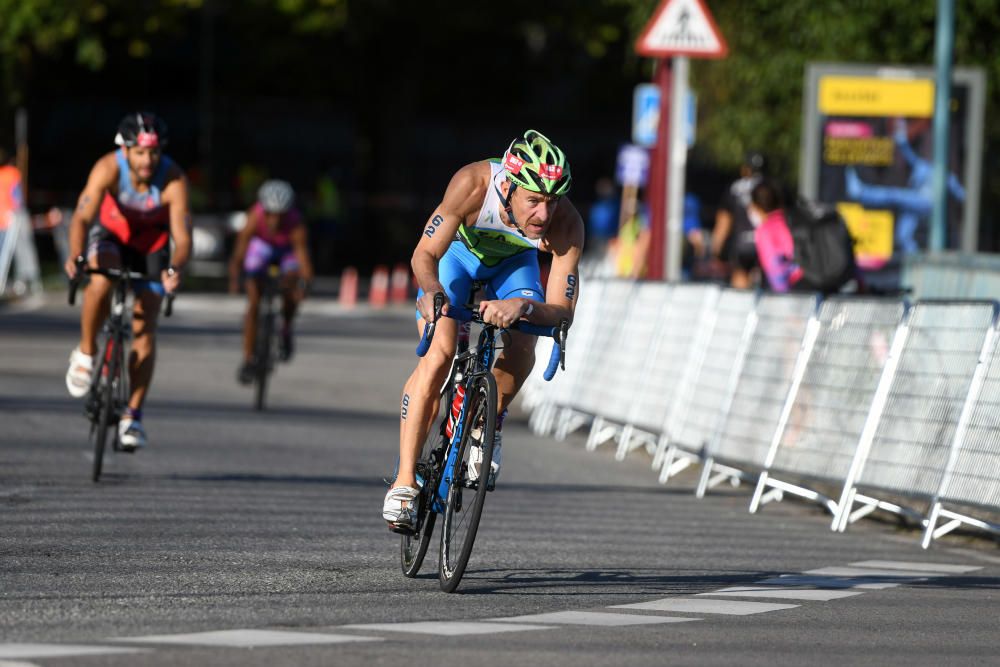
x,y
518,276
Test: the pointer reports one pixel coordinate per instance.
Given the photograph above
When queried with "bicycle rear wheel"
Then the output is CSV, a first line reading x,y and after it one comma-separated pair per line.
x,y
100,428
265,332
413,548
464,506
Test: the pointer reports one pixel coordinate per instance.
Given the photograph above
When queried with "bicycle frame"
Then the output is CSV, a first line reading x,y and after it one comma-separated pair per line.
x,y
477,361
109,389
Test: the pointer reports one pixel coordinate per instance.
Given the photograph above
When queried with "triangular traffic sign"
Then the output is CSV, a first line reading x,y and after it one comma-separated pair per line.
x,y
682,28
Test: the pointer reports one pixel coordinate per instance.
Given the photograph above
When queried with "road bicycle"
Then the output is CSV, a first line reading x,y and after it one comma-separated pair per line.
x,y
266,343
108,396
470,398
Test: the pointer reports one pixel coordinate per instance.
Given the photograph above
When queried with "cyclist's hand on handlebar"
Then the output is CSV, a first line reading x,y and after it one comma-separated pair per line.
x,y
171,279
502,313
71,267
425,304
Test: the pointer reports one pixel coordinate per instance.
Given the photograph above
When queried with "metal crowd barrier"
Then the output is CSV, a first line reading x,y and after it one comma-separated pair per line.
x,y
906,449
780,341
685,321
826,410
708,382
597,351
623,360
548,400
971,476
893,405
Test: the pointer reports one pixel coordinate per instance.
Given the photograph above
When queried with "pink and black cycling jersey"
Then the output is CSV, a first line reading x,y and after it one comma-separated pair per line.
x,y
271,246
139,220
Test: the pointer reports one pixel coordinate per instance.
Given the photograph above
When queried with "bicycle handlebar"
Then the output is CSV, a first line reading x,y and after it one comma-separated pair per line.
x,y
114,274
556,359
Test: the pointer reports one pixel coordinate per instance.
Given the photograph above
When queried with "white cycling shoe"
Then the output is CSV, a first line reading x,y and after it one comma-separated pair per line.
x,y
400,508
79,374
131,434
476,461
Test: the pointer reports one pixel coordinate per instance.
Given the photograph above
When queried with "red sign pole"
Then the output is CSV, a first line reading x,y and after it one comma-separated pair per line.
x,y
656,194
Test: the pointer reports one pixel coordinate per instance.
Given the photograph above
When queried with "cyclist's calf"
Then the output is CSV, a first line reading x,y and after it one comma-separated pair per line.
x,y
513,366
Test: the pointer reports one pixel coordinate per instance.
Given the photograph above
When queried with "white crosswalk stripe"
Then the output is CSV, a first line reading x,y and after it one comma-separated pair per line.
x,y
594,618
782,593
727,607
60,650
838,571
248,638
826,582
447,628
938,568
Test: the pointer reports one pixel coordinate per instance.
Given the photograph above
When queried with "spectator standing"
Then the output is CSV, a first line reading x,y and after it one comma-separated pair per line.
x,y
733,235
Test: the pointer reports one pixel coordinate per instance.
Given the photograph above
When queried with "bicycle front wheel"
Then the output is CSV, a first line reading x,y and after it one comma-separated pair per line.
x,y
464,506
265,333
101,428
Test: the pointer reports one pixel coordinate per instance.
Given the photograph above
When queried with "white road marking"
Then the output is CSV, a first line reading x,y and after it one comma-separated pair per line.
x,y
449,628
865,573
248,638
729,607
59,650
783,593
826,582
593,618
940,568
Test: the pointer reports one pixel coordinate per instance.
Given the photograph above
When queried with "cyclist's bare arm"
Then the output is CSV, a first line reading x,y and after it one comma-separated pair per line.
x,y
101,178
463,197
175,194
565,241
240,251
300,245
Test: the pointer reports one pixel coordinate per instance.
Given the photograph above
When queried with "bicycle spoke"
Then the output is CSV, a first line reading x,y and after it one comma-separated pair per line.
x,y
465,500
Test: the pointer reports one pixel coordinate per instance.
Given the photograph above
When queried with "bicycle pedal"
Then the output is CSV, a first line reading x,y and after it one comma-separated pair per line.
x,y
402,529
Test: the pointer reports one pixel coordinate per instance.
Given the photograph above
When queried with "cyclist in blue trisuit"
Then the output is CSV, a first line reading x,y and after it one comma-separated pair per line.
x,y
496,215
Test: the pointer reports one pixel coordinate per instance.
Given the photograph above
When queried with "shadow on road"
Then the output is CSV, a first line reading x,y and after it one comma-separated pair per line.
x,y
659,582
204,409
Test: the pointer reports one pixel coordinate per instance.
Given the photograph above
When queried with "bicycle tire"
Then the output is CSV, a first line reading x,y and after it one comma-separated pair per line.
x,y
461,518
413,548
263,358
99,431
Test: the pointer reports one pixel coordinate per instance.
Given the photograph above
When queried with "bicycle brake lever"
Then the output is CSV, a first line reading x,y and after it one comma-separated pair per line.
x,y
563,332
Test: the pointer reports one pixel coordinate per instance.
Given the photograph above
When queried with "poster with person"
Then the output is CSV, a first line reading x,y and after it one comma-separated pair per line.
x,y
868,149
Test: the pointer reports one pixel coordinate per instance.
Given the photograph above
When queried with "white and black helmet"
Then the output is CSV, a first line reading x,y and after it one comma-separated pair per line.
x,y
276,196
142,129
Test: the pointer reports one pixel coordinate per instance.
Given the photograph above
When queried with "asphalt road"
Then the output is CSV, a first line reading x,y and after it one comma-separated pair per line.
x,y
240,538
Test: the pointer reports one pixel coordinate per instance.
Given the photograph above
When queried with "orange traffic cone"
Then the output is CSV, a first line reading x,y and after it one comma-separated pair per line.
x,y
379,291
399,291
348,287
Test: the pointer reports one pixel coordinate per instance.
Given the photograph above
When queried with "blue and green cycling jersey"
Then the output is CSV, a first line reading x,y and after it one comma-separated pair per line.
x,y
489,239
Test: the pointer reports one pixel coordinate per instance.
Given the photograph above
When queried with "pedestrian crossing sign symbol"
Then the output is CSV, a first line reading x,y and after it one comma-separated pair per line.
x,y
682,28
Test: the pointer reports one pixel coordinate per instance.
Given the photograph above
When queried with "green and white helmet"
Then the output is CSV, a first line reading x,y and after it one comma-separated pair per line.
x,y
534,163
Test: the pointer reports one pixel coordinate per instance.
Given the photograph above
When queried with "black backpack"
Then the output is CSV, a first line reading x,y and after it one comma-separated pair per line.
x,y
824,248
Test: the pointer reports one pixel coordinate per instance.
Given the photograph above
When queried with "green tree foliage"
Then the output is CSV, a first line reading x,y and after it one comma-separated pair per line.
x,y
30,29
753,98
